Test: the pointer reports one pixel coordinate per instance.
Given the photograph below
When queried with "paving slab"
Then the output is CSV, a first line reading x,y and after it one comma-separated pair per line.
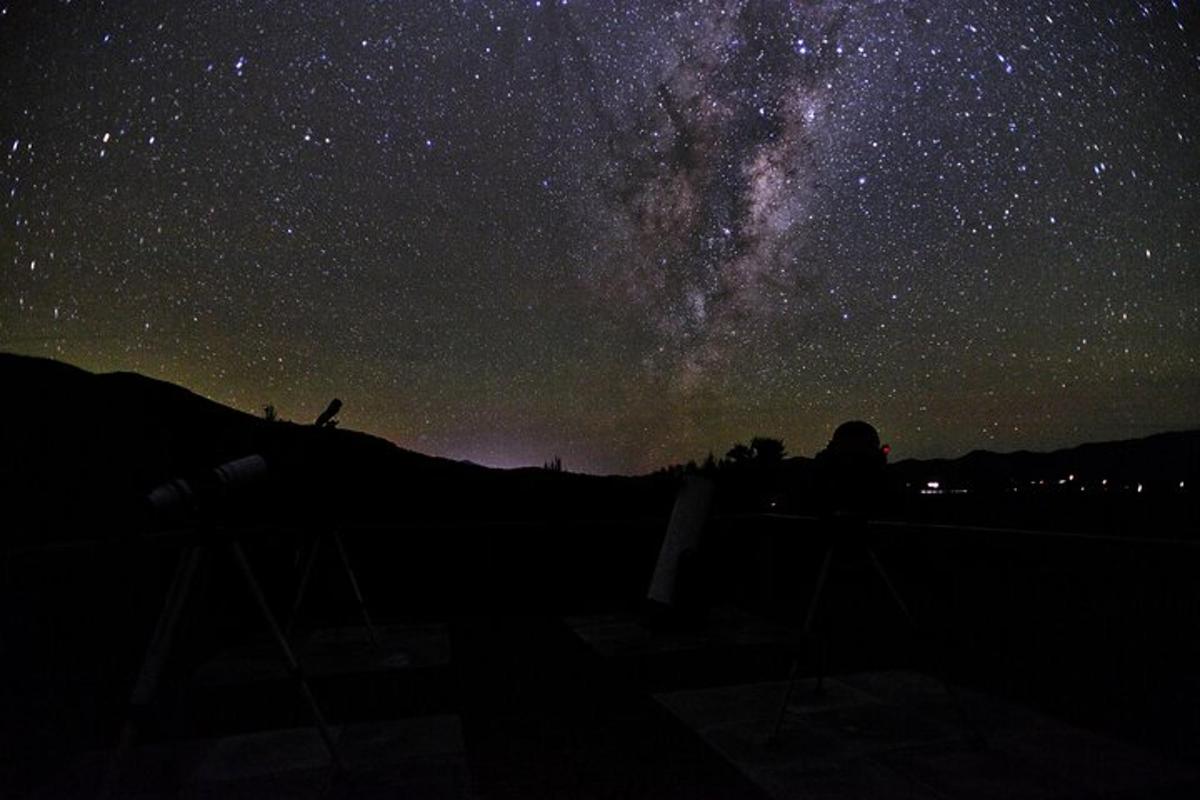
x,y
901,734
333,651
613,635
894,733
417,757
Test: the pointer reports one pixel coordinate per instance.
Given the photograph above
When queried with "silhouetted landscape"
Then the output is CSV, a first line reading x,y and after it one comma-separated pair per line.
x,y
106,440
495,556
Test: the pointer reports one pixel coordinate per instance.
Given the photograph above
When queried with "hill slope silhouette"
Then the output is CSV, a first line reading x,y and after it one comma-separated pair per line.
x,y
83,449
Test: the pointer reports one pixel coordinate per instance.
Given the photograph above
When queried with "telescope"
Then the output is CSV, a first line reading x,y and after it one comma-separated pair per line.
x,y
196,498
182,497
850,473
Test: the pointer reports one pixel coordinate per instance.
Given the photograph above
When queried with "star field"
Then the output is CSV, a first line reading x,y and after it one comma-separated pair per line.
x,y
626,233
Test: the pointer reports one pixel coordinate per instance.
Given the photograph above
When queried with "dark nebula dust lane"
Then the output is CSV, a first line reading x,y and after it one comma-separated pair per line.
x,y
625,233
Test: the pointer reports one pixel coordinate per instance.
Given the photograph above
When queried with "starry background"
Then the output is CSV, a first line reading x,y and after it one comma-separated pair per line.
x,y
626,233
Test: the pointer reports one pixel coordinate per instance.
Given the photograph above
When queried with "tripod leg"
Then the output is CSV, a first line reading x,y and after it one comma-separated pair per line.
x,y
973,733
787,699
822,665
362,604
891,587
239,557
810,617
155,660
310,559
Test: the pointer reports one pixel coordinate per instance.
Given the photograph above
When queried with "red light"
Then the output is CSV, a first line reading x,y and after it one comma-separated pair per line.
x,y
886,449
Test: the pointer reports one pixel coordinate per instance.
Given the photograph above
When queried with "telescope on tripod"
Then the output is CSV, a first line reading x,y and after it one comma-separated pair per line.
x,y
851,486
199,505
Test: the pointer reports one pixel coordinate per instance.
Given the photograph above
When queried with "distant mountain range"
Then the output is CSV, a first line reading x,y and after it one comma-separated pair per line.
x,y
78,448
1164,461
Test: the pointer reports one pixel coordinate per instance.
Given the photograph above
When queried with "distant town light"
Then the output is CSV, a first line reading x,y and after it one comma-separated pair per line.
x,y
934,485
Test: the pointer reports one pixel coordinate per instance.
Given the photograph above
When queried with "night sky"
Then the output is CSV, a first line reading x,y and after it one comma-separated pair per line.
x,y
625,233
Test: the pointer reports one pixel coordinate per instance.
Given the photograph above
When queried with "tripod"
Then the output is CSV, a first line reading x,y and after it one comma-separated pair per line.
x,y
157,652
310,559
851,534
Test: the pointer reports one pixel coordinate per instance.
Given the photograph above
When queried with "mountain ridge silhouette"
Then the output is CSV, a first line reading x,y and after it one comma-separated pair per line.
x,y
83,447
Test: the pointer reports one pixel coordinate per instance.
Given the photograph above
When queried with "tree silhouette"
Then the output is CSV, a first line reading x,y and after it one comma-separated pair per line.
x,y
767,451
762,452
739,454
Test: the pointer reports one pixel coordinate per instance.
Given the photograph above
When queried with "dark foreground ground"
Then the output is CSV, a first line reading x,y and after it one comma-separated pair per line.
x,y
516,661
